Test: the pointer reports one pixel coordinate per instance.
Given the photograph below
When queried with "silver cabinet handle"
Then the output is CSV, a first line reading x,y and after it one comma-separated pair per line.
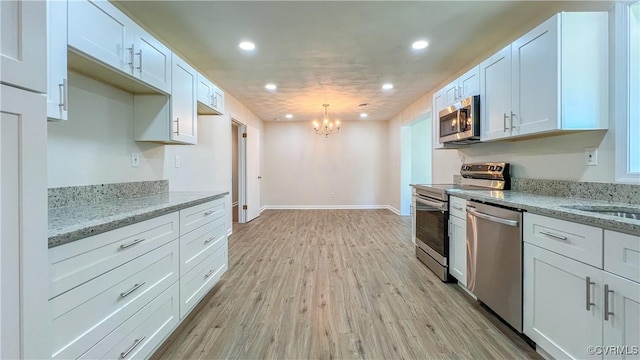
x,y
457,208
553,235
505,122
455,93
511,119
607,313
134,288
131,57
134,242
177,121
588,295
130,349
215,101
460,92
64,93
209,212
208,274
496,219
139,53
209,240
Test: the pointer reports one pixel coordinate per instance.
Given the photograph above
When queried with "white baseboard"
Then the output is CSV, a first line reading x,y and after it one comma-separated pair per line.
x,y
325,207
229,232
262,209
396,211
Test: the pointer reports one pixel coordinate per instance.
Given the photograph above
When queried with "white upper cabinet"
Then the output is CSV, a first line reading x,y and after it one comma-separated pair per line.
x,y
466,85
151,61
495,96
438,104
23,27
553,78
58,88
98,30
210,97
169,119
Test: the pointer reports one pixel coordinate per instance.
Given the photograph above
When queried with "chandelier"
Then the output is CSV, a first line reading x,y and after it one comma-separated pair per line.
x,y
327,127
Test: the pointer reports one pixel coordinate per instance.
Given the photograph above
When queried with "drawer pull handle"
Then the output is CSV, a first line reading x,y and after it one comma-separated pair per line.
x,y
208,274
607,313
553,235
458,208
209,240
588,295
209,212
136,241
130,349
134,288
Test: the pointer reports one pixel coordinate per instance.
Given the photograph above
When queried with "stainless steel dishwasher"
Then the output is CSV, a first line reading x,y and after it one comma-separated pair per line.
x,y
494,259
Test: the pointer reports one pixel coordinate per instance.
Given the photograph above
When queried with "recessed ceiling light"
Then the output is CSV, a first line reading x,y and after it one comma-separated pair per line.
x,y
288,116
363,115
420,44
247,45
270,86
387,86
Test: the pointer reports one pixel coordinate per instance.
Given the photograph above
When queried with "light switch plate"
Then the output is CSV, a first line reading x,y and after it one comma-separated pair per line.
x,y
135,159
591,156
177,161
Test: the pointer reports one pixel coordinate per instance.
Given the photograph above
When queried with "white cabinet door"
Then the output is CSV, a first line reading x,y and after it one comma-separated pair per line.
x,y
458,249
23,43
151,61
210,97
218,100
438,104
58,88
450,93
98,30
205,91
495,96
23,225
622,324
183,102
469,83
557,291
536,80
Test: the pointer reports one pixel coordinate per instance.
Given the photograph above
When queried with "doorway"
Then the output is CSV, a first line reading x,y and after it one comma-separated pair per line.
x,y
415,157
235,173
245,172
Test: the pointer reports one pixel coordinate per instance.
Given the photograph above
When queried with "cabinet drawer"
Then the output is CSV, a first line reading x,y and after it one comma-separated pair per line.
x,y
85,315
622,254
200,243
80,261
197,283
458,207
577,241
196,216
142,332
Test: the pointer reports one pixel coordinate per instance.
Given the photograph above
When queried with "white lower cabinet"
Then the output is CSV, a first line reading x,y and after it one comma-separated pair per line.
x,y
573,309
120,294
458,240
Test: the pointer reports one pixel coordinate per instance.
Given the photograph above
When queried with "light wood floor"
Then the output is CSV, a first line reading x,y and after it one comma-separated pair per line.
x,y
335,284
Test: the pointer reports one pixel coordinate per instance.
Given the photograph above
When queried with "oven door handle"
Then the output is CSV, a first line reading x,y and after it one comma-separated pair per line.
x,y
498,220
435,204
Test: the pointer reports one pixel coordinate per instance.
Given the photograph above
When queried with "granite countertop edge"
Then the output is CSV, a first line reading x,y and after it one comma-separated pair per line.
x,y
122,217
552,206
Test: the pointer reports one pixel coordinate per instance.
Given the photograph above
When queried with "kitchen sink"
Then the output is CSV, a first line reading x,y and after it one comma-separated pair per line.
x,y
623,212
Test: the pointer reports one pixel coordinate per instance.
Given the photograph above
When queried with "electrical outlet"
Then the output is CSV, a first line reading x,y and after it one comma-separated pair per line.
x,y
332,195
591,156
177,161
135,159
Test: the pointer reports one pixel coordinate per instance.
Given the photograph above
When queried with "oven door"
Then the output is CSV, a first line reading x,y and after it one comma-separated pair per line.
x,y
432,228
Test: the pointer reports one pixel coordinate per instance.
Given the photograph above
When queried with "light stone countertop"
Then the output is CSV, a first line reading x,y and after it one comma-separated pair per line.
x,y
553,206
67,224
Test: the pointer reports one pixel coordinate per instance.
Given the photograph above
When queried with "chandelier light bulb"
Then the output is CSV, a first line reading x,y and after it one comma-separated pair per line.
x,y
328,127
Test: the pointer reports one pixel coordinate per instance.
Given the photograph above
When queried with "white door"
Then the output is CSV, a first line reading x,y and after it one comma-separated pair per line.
x,y
23,44
557,293
252,189
99,30
152,61
622,325
183,102
535,83
458,249
58,88
495,95
24,285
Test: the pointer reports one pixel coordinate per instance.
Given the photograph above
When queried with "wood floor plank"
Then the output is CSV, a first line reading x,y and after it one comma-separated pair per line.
x,y
335,284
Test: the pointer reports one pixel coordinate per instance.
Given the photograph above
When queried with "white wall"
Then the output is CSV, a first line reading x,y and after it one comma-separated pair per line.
x,y
94,146
303,169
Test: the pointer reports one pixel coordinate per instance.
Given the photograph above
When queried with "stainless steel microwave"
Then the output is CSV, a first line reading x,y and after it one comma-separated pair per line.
x,y
460,122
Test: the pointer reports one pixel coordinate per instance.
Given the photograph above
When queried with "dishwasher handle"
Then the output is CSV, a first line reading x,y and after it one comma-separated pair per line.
x,y
473,212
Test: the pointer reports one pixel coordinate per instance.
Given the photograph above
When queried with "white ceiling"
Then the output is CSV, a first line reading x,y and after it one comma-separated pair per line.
x,y
335,52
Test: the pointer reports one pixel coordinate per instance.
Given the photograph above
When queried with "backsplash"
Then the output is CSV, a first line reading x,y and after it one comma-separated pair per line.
x,y
626,193
91,194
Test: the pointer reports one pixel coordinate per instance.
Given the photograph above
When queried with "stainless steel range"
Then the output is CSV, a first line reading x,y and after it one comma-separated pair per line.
x,y
431,211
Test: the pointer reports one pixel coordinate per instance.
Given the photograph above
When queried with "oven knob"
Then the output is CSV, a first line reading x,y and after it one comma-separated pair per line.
x,y
491,168
498,168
